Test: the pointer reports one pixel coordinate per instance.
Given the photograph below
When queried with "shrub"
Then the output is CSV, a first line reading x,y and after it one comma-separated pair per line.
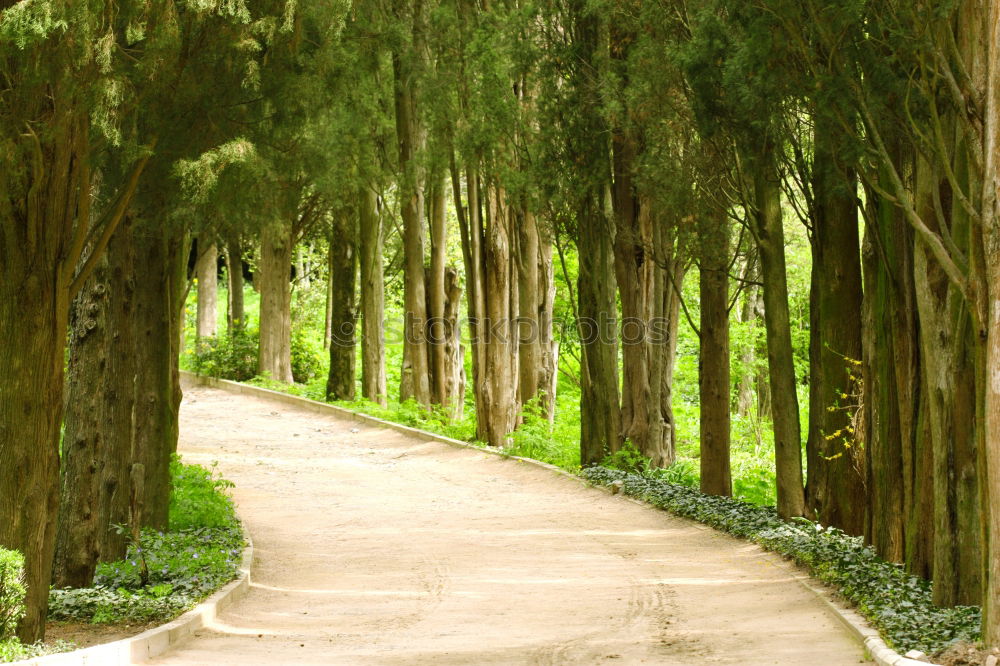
x,y
12,591
199,498
229,356
307,356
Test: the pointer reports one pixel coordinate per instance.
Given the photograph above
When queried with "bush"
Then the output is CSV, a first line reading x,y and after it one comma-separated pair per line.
x,y
12,591
199,498
898,604
229,356
307,357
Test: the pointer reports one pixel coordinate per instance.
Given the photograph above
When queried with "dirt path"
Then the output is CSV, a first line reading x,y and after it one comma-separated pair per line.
x,y
372,548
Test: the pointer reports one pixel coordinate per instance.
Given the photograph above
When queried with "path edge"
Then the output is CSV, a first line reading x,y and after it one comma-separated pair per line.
x,y
856,625
154,642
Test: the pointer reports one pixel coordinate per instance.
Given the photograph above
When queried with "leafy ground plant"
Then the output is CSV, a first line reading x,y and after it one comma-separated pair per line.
x,y
165,573
898,604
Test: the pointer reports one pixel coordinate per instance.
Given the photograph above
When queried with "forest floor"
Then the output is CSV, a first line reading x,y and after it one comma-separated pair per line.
x,y
375,548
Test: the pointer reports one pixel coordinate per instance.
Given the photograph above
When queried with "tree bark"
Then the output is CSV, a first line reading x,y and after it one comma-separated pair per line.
x,y
274,265
770,237
415,376
990,459
498,381
206,272
343,266
529,320
713,363
97,439
234,261
548,375
948,347
437,327
160,283
835,490
373,380
600,411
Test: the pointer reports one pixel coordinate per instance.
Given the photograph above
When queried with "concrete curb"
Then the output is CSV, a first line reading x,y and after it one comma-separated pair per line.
x,y
154,642
868,637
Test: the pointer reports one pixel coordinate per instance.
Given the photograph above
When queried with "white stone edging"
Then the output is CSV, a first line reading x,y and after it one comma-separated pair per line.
x,y
858,627
154,642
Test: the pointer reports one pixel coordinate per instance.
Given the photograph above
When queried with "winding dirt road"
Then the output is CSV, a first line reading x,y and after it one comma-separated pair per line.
x,y
373,548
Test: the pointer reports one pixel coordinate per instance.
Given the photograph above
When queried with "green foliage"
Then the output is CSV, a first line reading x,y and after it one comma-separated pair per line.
x,y
307,356
228,356
12,591
184,567
627,459
199,498
540,440
164,574
898,604
11,649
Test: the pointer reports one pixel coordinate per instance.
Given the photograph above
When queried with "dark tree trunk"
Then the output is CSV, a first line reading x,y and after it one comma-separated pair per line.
x,y
160,283
770,237
835,490
713,363
948,349
234,260
898,453
343,265
600,411
97,439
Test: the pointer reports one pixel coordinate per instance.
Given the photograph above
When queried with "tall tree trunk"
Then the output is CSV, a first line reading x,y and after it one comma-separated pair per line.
x,y
100,393
499,376
990,470
473,241
234,262
410,135
206,272
160,283
770,237
589,149
948,347
529,317
747,316
33,328
898,463
438,329
600,411
670,271
343,265
273,268
373,380
640,423
835,490
548,374
713,363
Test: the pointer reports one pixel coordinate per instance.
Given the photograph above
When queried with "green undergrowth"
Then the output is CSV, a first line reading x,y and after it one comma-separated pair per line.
x,y
165,573
896,603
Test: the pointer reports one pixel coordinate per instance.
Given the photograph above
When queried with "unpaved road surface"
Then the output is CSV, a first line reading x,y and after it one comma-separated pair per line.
x,y
374,548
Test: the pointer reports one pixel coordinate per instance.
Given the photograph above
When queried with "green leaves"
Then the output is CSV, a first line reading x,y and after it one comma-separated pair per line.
x,y
12,591
30,21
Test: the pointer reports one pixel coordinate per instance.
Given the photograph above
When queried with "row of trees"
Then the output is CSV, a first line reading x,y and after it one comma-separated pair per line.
x,y
645,139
